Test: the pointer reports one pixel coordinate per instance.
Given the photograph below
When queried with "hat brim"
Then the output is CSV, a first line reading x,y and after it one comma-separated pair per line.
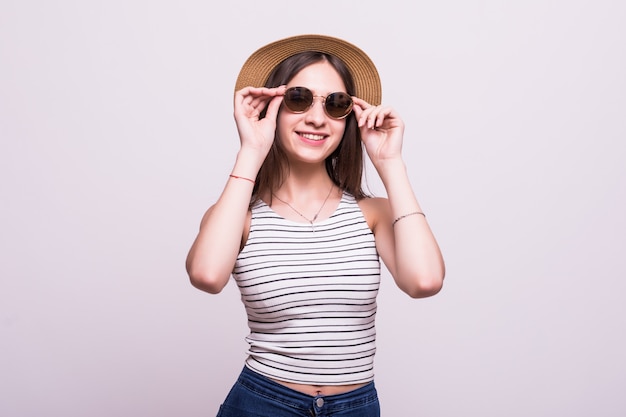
x,y
258,67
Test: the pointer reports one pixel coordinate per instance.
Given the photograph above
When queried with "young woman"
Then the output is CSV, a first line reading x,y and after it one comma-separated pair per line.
x,y
302,239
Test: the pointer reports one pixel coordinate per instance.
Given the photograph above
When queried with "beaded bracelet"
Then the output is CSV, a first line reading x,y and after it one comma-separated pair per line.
x,y
406,215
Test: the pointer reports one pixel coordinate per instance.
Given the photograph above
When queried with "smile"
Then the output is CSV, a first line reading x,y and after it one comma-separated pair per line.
x,y
311,136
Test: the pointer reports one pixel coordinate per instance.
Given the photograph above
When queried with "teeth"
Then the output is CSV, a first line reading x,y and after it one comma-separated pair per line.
x,y
312,137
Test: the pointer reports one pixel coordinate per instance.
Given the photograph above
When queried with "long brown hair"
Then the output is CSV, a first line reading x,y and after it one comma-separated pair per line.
x,y
344,165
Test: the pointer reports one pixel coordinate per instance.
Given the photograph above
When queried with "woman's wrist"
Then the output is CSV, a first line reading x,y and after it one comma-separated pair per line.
x,y
390,169
248,163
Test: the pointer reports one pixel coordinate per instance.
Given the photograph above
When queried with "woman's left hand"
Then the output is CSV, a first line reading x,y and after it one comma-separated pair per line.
x,y
382,130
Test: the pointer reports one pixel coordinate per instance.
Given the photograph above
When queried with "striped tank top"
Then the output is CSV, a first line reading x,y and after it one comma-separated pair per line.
x,y
310,296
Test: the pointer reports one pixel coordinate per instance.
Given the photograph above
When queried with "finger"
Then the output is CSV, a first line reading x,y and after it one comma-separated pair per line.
x,y
372,118
259,97
360,102
382,115
260,93
273,107
358,106
271,100
367,114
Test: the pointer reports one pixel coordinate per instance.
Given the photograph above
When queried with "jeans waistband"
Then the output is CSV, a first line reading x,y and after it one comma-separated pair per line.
x,y
268,388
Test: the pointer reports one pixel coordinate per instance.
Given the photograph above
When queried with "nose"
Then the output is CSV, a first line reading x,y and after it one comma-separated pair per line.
x,y
316,114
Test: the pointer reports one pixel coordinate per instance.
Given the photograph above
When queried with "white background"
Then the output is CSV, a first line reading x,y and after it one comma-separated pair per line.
x,y
117,133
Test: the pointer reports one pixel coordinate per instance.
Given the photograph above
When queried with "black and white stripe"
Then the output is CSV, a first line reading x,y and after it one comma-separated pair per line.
x,y
310,296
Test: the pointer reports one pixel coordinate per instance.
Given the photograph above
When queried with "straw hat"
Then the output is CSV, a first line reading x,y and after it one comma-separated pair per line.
x,y
260,64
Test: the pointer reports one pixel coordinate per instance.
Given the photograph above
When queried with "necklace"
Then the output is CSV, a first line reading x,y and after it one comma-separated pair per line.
x,y
302,215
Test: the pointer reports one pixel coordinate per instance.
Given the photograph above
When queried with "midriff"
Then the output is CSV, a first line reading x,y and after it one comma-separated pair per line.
x,y
314,390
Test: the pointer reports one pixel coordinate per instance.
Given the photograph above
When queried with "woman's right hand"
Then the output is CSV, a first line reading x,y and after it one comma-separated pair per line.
x,y
255,133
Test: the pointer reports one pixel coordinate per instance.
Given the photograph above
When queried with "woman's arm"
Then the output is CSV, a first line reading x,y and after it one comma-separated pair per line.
x,y
213,253
404,239
212,256
408,248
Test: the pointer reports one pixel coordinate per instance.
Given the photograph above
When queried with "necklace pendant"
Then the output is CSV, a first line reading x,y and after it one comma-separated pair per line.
x,y
302,215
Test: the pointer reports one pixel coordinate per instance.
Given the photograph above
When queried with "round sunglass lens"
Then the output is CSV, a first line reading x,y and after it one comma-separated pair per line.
x,y
298,99
338,105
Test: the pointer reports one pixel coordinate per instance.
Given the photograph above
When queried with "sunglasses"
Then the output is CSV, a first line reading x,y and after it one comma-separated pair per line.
x,y
300,99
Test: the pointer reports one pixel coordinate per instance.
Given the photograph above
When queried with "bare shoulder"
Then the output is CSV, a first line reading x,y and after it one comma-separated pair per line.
x,y
374,210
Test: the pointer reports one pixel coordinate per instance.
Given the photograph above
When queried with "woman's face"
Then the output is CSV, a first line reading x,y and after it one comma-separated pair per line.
x,y
310,137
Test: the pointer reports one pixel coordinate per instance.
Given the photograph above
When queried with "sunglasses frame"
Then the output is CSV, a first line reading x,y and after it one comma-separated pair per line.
x,y
313,96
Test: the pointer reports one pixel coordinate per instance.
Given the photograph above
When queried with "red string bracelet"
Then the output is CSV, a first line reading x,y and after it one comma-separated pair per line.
x,y
242,178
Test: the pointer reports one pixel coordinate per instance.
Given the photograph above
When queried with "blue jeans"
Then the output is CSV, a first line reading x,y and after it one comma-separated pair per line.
x,y
254,395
